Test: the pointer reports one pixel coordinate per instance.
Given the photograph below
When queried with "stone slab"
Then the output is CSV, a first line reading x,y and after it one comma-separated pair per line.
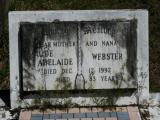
x,y
54,51
86,31
105,46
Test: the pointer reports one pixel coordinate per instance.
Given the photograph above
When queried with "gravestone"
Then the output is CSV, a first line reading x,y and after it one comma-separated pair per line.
x,y
73,56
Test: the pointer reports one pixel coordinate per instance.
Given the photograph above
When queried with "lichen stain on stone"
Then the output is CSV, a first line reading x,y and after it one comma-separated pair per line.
x,y
28,76
60,31
132,49
62,84
124,33
56,102
118,29
91,85
36,102
32,37
92,79
104,101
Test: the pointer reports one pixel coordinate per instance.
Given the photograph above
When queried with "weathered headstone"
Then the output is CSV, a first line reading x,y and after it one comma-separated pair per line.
x,y
77,51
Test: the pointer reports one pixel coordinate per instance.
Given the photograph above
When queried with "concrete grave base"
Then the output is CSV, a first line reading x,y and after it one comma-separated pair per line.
x,y
139,64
